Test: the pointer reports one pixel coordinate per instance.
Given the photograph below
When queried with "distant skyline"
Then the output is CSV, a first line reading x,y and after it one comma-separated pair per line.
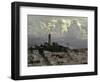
x,y
63,29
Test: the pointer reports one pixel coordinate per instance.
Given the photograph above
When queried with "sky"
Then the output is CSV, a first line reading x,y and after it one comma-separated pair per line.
x,y
65,30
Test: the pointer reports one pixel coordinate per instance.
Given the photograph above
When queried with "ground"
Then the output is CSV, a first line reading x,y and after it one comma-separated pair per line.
x,y
71,57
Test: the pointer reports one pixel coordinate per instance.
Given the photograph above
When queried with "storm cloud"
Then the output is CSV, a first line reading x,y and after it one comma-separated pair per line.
x,y
63,29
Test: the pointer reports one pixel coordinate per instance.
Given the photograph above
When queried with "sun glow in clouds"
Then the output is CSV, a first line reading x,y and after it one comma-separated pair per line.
x,y
65,24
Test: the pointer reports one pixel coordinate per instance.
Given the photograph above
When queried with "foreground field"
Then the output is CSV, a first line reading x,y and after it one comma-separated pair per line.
x,y
71,57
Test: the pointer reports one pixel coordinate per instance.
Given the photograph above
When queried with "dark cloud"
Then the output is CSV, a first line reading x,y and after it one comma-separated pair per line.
x,y
63,30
